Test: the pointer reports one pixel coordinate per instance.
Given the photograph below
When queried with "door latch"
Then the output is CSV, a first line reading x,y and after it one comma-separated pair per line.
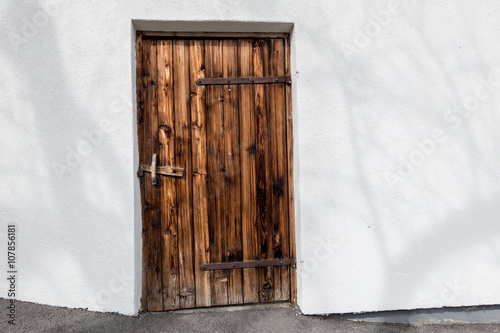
x,y
156,170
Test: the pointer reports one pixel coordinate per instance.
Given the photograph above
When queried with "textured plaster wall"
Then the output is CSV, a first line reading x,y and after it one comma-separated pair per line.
x,y
397,152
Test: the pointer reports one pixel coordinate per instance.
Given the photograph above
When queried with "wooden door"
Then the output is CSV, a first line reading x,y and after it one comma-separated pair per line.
x,y
234,201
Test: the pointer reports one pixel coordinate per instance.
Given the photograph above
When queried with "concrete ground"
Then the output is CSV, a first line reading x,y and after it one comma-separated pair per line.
x,y
260,318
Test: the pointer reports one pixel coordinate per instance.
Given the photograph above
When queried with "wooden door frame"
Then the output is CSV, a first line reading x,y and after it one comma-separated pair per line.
x,y
140,35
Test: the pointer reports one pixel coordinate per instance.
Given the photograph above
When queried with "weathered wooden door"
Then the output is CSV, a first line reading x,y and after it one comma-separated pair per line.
x,y
233,202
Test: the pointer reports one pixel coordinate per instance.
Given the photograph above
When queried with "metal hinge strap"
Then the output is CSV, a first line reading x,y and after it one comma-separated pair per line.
x,y
244,80
248,264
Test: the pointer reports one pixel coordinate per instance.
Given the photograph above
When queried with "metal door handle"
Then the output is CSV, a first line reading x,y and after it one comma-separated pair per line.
x,y
156,170
153,170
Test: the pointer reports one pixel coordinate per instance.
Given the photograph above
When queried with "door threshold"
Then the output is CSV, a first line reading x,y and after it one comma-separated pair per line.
x,y
231,308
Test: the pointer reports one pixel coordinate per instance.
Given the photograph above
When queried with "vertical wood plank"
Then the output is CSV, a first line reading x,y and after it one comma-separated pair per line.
x,y
199,162
279,170
262,162
291,199
142,159
151,205
216,167
248,178
166,152
183,160
232,173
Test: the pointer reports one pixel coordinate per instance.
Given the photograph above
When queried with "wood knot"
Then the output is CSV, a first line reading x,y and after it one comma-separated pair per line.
x,y
251,150
267,285
167,129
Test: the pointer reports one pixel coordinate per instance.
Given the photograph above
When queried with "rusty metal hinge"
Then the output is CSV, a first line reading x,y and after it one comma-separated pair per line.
x,y
162,170
248,264
244,80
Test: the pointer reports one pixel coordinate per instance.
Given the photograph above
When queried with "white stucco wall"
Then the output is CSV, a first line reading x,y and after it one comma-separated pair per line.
x,y
397,183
